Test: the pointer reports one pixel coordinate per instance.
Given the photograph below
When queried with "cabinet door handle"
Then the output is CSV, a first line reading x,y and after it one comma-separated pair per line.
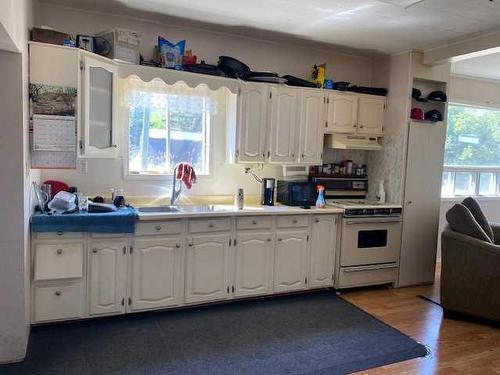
x,y
293,155
227,289
177,245
58,293
254,222
59,251
316,220
269,240
294,221
232,289
158,227
190,244
361,126
211,225
94,250
280,239
59,233
302,155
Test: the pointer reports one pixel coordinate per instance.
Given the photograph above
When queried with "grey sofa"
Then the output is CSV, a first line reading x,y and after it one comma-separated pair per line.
x,y
470,274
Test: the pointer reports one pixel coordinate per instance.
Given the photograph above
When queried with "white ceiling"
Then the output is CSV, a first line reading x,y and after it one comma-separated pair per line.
x,y
385,26
483,67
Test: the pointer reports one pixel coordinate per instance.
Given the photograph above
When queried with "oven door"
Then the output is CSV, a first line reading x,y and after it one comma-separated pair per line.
x,y
370,241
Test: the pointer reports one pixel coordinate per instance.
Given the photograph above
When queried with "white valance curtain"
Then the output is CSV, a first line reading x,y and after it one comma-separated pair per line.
x,y
156,93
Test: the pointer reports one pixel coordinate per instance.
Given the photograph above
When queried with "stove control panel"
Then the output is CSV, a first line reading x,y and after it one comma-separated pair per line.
x,y
372,212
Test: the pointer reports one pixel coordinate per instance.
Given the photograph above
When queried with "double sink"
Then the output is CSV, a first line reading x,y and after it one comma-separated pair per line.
x,y
180,208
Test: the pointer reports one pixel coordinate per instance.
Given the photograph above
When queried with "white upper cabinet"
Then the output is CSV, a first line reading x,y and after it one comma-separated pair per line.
x,y
323,243
207,268
290,260
156,272
283,125
252,123
253,264
342,113
99,83
355,114
311,125
371,115
107,275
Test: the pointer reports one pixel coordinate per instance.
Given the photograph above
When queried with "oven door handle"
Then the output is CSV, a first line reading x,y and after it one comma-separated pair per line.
x,y
373,221
371,268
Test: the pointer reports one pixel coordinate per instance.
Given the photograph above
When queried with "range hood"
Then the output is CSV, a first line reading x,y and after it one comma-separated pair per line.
x,y
351,142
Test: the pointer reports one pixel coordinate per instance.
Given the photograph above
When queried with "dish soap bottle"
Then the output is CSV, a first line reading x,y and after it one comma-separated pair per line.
x,y
320,201
381,192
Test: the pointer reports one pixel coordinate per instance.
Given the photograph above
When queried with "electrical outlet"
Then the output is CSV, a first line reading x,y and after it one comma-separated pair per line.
x,y
82,166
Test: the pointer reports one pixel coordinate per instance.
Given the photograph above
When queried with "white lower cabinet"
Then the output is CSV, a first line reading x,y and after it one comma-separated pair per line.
x,y
193,261
156,273
57,302
290,260
107,276
253,256
207,268
323,243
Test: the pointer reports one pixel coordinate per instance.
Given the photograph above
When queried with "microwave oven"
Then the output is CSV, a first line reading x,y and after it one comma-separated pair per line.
x,y
296,193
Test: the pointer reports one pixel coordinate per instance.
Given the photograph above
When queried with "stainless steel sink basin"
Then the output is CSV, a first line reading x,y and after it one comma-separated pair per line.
x,y
153,209
180,208
199,208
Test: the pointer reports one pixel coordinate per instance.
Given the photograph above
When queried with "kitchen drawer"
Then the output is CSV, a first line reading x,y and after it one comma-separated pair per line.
x,y
58,260
158,227
255,222
210,225
367,275
57,302
292,221
57,235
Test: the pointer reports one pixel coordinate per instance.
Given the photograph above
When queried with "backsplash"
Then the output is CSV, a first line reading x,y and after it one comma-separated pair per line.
x,y
336,156
388,165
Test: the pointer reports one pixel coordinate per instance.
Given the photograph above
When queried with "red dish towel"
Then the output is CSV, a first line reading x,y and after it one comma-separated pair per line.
x,y
185,173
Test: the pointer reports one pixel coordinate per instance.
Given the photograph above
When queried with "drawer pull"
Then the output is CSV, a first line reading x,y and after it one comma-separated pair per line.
x,y
158,227
94,250
190,244
280,239
294,221
58,293
59,233
316,220
211,225
177,245
59,251
269,240
254,222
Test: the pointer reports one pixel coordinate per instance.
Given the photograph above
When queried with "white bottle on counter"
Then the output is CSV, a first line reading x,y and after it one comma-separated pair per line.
x,y
239,199
381,192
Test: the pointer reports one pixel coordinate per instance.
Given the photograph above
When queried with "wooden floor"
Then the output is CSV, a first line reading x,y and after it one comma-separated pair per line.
x,y
457,347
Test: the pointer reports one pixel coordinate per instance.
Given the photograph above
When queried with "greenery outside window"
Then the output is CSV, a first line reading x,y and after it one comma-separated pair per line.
x,y
472,152
167,124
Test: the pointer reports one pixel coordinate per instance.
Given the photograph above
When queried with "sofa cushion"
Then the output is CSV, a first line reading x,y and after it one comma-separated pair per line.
x,y
478,214
462,221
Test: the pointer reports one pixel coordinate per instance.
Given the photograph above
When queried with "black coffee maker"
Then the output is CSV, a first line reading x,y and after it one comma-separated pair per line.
x,y
267,192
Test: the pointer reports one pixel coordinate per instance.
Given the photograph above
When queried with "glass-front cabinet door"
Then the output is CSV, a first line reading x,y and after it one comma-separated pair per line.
x,y
99,87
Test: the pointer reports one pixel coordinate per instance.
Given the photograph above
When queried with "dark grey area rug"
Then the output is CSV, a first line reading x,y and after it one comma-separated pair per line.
x,y
316,333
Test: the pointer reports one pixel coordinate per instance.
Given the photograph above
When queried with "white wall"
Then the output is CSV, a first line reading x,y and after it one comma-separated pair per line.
x,y
208,45
15,190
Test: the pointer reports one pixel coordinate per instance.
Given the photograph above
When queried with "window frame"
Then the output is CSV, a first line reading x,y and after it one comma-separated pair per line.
x,y
474,170
124,119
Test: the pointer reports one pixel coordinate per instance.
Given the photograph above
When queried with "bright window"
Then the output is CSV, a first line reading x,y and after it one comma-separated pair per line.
x,y
168,125
472,152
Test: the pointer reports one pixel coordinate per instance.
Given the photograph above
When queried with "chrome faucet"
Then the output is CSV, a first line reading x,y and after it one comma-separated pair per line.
x,y
175,192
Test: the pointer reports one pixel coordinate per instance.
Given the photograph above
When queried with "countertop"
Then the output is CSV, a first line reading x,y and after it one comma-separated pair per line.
x,y
250,210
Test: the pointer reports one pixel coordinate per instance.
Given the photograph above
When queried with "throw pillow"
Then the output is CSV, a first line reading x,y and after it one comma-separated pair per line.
x,y
462,221
478,214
